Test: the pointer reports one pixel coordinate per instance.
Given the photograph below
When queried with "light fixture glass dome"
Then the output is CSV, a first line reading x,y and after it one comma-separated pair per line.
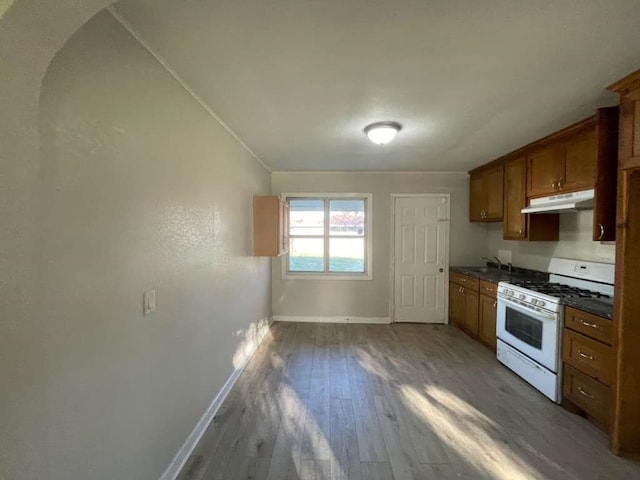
x,y
381,133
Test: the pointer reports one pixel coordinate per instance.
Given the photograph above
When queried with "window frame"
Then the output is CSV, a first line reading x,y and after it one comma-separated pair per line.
x,y
326,275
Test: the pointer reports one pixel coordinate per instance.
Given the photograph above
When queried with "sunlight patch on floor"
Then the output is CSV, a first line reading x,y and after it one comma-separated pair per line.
x,y
462,428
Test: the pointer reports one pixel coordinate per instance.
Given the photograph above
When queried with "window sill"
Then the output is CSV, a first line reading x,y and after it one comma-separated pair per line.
x,y
326,276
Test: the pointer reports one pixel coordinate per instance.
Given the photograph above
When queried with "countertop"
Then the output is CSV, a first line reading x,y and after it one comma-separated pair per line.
x,y
603,307
495,275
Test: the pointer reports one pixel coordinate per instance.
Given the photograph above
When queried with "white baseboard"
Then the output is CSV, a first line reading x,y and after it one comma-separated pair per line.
x,y
187,448
377,320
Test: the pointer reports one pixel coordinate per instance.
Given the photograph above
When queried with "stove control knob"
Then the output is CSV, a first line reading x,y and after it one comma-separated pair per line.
x,y
510,293
522,296
533,301
541,303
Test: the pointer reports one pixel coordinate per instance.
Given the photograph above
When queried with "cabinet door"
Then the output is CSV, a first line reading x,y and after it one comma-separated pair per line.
x,y
604,208
629,128
456,305
477,196
543,171
515,173
494,193
580,158
471,311
487,320
283,223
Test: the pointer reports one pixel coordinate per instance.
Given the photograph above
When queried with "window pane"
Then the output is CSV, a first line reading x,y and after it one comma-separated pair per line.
x,y
306,255
306,216
346,255
346,217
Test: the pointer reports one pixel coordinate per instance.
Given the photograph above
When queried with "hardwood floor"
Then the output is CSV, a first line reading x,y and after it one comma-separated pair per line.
x,y
380,402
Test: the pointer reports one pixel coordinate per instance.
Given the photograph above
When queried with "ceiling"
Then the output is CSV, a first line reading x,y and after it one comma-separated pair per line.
x,y
298,80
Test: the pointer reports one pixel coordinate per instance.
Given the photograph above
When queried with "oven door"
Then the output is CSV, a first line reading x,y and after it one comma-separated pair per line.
x,y
532,332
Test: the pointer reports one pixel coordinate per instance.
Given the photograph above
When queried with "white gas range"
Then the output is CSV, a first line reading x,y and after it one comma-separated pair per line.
x,y
530,319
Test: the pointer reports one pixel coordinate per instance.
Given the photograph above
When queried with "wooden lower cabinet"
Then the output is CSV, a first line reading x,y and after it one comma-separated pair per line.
x,y
472,307
589,395
470,324
487,320
456,305
587,358
463,308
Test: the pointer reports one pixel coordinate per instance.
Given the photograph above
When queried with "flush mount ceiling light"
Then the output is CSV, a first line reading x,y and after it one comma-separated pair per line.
x,y
381,133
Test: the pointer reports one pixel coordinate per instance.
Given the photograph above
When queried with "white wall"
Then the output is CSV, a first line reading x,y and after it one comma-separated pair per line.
x,y
135,187
575,242
361,297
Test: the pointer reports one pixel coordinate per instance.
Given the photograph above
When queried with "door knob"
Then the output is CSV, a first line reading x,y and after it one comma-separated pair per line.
x,y
441,270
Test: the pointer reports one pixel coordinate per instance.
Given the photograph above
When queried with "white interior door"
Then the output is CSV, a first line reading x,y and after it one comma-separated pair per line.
x,y
421,238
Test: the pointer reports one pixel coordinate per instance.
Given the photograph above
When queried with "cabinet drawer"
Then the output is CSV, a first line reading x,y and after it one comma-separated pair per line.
x,y
588,324
586,393
464,280
489,289
587,355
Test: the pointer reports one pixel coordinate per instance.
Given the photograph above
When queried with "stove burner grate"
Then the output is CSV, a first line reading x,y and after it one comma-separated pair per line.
x,y
558,289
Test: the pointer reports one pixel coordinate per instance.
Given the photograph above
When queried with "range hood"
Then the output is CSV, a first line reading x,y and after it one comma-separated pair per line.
x,y
563,203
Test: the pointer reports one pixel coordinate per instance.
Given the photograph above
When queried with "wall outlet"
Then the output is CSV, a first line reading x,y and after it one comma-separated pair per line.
x,y
149,302
504,256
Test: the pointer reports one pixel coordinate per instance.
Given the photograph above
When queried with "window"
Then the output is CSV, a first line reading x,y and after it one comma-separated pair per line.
x,y
329,237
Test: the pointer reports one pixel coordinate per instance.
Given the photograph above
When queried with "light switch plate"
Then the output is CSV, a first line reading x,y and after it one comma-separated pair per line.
x,y
149,302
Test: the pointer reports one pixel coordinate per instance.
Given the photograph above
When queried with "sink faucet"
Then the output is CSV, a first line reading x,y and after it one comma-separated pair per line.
x,y
488,260
499,263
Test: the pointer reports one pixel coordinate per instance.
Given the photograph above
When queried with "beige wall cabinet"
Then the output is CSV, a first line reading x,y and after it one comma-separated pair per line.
x,y
270,226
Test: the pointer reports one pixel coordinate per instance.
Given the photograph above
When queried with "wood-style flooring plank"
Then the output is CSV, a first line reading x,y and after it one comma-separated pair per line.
x,y
392,402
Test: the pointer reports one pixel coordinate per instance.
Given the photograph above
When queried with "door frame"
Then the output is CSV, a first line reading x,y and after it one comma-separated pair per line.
x,y
392,266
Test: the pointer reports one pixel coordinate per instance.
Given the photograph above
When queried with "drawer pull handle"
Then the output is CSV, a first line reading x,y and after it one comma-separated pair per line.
x,y
584,355
588,395
587,324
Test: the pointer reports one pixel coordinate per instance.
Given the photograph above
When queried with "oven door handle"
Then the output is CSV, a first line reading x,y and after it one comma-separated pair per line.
x,y
535,312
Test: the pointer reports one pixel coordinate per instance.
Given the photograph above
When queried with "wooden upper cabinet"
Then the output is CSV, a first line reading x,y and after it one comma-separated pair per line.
x,y
572,159
494,180
566,164
543,171
270,226
579,165
629,144
518,225
486,193
582,156
476,195
606,190
515,198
